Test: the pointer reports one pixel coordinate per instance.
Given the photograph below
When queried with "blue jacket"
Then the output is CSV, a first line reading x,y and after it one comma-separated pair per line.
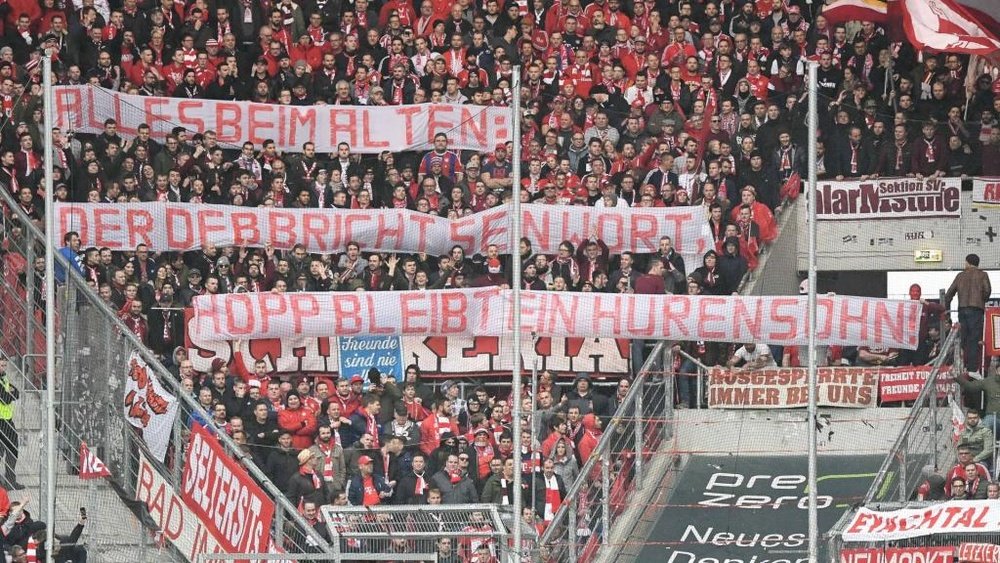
x,y
356,490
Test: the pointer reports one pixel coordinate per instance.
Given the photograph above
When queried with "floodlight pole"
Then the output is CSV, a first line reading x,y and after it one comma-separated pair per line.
x,y
812,415
50,317
514,248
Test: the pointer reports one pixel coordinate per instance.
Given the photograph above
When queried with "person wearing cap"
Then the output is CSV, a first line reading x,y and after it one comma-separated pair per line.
x,y
307,484
365,487
493,277
298,420
496,171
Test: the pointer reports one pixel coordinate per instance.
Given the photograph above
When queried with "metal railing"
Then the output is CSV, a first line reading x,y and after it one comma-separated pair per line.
x,y
96,347
836,544
392,530
617,466
924,446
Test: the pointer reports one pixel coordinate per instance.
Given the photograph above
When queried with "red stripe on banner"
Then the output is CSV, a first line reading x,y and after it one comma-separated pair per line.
x,y
842,11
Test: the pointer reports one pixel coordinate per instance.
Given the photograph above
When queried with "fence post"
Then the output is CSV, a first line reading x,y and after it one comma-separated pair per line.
x,y
29,315
902,469
701,374
572,533
606,498
279,527
638,422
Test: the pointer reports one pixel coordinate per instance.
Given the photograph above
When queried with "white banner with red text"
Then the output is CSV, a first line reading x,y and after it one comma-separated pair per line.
x,y
978,553
937,554
953,517
888,198
905,383
180,526
788,388
434,355
986,192
991,332
148,406
367,129
224,497
184,226
842,320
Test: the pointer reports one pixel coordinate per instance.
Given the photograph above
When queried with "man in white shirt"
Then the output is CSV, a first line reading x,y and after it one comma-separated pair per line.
x,y
752,356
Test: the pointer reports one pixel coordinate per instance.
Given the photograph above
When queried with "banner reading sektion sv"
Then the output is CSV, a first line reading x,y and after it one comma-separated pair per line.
x,y
368,129
184,226
788,388
488,312
986,192
889,198
224,497
953,517
905,383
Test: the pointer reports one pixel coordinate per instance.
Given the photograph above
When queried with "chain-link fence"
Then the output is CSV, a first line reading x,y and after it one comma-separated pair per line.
x,y
925,446
468,531
95,347
617,466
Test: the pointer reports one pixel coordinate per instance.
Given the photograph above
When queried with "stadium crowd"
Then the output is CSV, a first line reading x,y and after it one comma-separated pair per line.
x,y
669,103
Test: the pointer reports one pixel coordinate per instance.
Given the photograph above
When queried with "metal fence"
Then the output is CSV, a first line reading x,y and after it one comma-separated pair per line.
x,y
642,424
95,346
393,530
836,544
925,446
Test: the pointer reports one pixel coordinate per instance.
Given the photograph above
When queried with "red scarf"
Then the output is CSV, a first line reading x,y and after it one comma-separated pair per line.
x,y
552,498
327,452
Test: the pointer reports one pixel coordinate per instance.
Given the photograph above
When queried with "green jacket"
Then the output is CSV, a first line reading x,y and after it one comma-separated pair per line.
x,y
990,387
980,441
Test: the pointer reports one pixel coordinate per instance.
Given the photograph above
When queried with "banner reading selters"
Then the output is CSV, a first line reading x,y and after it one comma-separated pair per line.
x,y
789,388
367,129
185,226
487,312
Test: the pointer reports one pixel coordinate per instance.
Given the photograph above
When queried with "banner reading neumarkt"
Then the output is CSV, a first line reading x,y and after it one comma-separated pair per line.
x,y
368,129
889,198
788,388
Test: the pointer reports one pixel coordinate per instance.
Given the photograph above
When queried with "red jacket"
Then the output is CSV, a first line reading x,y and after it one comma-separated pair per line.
x,y
301,422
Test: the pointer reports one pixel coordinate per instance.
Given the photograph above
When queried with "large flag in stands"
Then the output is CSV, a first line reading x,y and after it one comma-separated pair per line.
x,y
954,26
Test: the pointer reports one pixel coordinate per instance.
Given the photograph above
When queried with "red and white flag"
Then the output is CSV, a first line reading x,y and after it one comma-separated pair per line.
x,y
91,466
840,11
957,419
942,25
983,11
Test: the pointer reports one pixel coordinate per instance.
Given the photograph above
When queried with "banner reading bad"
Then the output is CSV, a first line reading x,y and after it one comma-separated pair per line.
x,y
789,388
367,129
842,320
185,226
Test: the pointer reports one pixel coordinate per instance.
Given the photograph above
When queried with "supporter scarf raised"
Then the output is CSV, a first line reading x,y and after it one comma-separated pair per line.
x,y
552,498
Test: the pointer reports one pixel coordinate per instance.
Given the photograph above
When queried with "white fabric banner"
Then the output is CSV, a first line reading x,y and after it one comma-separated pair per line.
x,y
986,192
487,312
185,226
368,129
938,25
888,198
953,517
148,406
